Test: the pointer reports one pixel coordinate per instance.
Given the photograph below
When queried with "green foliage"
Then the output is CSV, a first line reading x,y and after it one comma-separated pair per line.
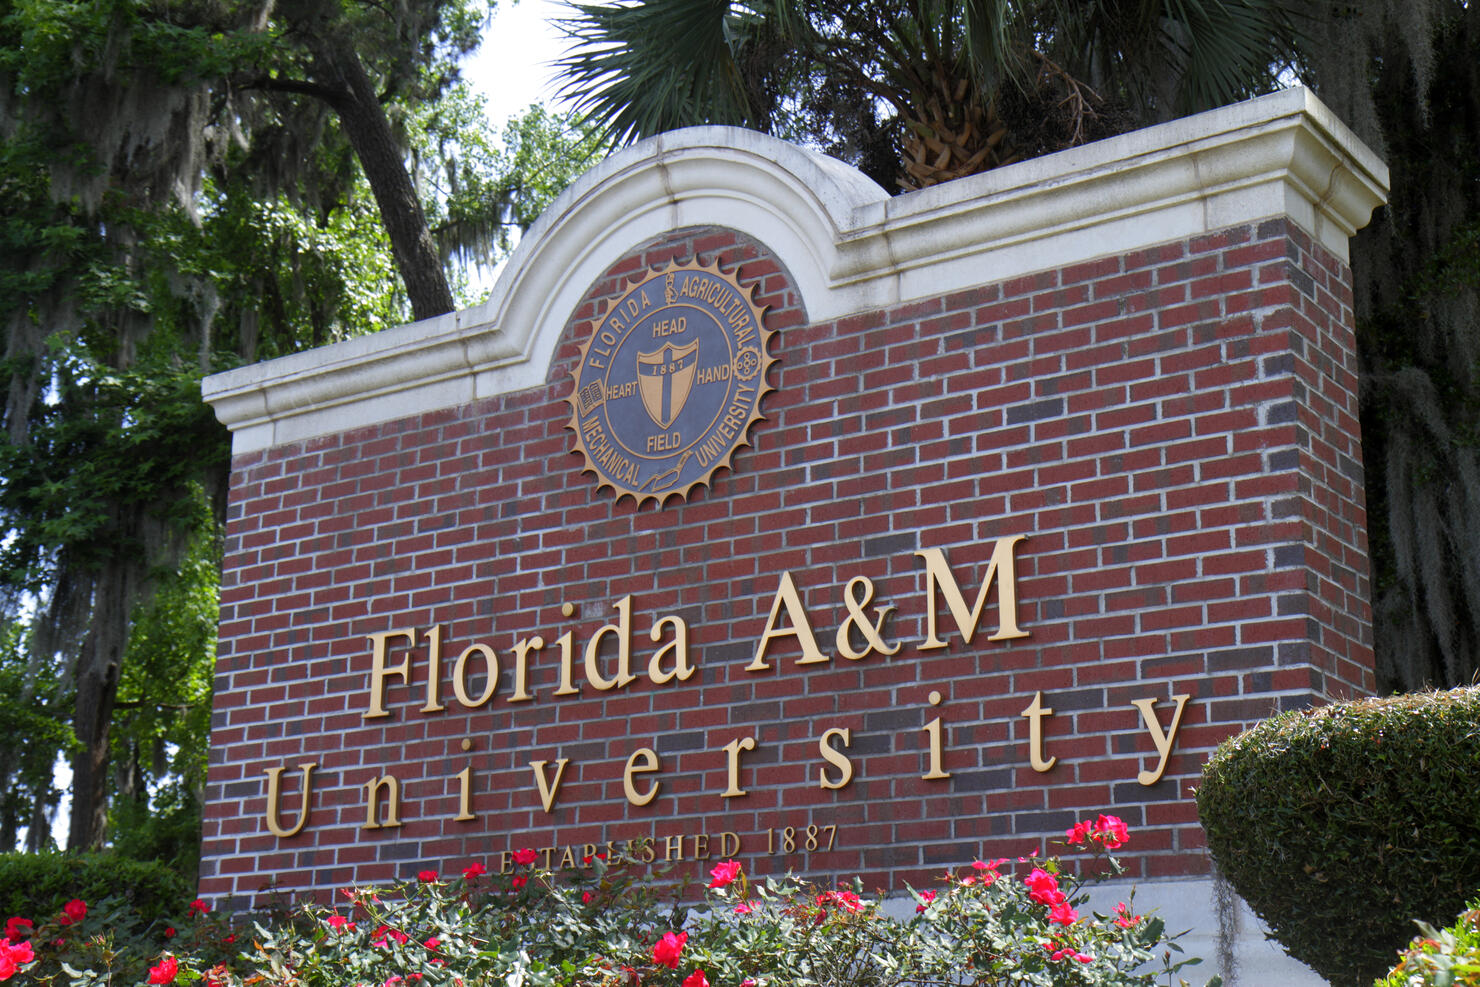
x,y
484,189
595,927
1405,74
1341,825
184,193
36,886
855,76
1441,957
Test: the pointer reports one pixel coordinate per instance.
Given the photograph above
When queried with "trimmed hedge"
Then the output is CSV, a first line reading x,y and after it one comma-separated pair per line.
x,y
1342,825
36,886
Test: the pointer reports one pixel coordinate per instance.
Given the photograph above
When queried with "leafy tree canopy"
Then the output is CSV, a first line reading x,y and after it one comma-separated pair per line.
x,y
919,92
190,186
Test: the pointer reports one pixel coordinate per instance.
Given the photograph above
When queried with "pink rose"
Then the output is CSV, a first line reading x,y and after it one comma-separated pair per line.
x,y
1062,914
1043,887
926,897
667,950
1111,831
696,979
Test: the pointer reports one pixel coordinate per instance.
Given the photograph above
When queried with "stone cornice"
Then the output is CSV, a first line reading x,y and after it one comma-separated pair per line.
x,y
849,246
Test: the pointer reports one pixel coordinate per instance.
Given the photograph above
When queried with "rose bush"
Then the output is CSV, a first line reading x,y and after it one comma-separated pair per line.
x,y
1441,957
989,923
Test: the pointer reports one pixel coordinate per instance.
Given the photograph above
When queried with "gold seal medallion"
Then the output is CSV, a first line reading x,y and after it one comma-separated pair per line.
x,y
670,382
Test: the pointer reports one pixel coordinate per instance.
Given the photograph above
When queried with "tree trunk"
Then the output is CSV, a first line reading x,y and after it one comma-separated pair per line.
x,y
98,664
339,69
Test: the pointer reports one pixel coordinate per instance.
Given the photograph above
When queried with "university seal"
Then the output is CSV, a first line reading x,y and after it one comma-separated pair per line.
x,y
670,382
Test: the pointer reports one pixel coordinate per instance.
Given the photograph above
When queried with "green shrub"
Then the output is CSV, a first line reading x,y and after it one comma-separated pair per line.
x,y
989,924
1441,957
38,885
1342,825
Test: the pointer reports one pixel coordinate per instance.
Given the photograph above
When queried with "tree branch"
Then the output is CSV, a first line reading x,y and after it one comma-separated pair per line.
x,y
328,94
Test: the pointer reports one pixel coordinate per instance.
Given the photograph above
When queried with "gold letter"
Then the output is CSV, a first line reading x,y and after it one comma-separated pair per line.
x,y
856,595
1163,741
836,758
460,673
548,789
392,803
379,673
521,668
932,730
938,573
649,764
801,627
623,630
567,672
733,749
1035,713
274,798
465,795
434,671
729,844
680,648
672,848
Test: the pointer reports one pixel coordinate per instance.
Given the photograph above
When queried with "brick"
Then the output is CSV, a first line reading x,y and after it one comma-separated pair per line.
x,y
1189,482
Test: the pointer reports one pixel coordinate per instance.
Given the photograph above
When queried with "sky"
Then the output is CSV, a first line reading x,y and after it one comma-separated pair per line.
x,y
513,67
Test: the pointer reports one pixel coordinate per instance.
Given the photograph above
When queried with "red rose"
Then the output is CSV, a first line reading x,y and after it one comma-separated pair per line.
x,y
926,897
473,871
724,872
165,972
18,928
524,857
427,876
73,911
667,950
696,979
12,955
199,907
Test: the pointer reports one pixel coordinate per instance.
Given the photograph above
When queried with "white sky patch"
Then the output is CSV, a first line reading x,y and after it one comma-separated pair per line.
x,y
514,66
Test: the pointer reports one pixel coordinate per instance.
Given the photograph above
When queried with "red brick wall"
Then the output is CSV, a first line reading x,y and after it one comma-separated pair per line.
x,y
1174,431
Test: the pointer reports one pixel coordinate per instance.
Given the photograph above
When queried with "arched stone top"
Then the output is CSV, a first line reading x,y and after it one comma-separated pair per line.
x,y
848,244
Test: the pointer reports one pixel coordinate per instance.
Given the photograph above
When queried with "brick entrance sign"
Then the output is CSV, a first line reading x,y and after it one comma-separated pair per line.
x,y
761,515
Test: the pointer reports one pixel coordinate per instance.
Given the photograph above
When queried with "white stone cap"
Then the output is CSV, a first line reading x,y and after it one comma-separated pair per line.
x,y
849,245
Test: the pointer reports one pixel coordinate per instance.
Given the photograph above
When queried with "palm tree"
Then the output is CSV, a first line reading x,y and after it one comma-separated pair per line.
x,y
955,86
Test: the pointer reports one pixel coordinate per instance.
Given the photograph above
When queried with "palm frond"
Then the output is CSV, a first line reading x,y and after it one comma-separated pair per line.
x,y
640,67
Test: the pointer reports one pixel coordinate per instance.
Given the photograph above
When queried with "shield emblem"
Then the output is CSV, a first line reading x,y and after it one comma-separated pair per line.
x,y
665,378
